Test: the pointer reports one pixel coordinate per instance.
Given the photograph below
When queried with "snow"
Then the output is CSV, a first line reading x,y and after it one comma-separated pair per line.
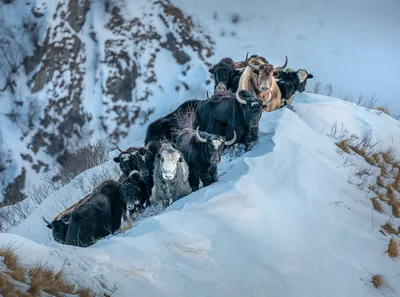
x,y
281,221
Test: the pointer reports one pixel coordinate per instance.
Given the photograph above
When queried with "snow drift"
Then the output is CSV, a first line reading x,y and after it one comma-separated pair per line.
x,y
282,221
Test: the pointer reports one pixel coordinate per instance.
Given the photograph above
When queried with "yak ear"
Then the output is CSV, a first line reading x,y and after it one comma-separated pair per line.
x,y
310,76
49,226
117,159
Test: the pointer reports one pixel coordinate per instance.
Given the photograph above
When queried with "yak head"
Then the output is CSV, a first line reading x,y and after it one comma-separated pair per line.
x,y
169,160
251,107
261,74
140,159
288,83
59,228
131,190
213,145
303,75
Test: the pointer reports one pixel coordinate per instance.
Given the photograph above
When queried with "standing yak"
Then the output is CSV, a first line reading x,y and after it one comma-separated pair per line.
x,y
202,152
226,115
171,173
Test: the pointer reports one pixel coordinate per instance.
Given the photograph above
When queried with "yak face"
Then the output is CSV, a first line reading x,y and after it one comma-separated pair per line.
x,y
288,82
169,159
213,145
131,190
264,77
140,159
59,228
251,106
303,75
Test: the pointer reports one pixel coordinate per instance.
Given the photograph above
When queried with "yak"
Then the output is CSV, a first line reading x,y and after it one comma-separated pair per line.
x,y
140,159
135,193
59,225
258,79
98,216
202,152
291,81
166,127
171,174
225,115
226,75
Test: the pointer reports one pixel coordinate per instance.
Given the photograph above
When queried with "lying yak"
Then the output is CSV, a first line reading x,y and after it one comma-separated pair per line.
x,y
171,173
59,225
97,215
226,115
167,128
202,152
135,193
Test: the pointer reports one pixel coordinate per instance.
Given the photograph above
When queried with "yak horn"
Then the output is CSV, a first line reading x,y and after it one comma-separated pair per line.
x,y
270,98
48,223
240,100
232,141
254,67
199,137
282,67
120,149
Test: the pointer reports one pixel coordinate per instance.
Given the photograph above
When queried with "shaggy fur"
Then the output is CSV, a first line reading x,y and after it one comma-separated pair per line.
x,y
170,162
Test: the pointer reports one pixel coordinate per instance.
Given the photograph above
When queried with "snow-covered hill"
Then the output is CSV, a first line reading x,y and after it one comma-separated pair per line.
x,y
106,68
284,220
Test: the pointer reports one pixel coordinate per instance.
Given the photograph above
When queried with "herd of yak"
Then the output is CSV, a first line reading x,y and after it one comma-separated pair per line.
x,y
183,148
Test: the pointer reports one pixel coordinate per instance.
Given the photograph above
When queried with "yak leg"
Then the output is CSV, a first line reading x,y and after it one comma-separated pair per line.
x,y
210,177
194,180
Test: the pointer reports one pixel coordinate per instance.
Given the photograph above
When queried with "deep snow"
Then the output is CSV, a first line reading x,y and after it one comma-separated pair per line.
x,y
282,221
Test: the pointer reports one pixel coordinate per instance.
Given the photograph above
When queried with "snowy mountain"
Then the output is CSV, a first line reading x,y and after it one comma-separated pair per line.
x,y
288,218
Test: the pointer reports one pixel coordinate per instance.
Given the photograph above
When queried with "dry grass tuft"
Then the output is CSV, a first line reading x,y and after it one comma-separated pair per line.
x,y
393,250
378,281
12,263
383,109
86,293
377,205
388,227
343,145
379,182
5,285
126,226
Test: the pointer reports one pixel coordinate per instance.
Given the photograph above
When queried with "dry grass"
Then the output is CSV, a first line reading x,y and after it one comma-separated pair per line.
x,y
126,226
41,279
388,227
383,109
343,145
377,205
393,249
378,281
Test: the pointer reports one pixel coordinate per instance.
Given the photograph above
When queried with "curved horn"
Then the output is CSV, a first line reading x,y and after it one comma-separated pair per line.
x,y
282,67
199,138
240,100
270,98
254,67
120,149
232,141
48,223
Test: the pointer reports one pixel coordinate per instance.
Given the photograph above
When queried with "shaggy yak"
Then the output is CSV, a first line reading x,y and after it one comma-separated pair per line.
x,y
171,173
202,152
258,79
96,216
166,127
291,81
140,159
135,193
226,115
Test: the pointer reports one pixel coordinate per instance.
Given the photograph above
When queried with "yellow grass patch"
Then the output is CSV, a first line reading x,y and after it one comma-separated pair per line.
x,y
388,227
377,205
378,281
393,249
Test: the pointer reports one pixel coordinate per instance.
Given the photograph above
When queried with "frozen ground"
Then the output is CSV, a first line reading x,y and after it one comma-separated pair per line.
x,y
282,221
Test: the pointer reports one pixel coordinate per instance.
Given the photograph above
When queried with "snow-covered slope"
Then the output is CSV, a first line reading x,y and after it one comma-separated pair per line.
x,y
282,221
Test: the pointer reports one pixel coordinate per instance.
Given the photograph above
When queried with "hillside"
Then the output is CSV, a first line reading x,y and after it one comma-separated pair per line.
x,y
288,218
128,63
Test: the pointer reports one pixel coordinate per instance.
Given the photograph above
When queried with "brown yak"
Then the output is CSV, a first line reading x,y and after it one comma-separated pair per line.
x,y
258,78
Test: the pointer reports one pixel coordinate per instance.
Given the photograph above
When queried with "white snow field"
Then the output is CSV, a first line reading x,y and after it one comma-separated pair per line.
x,y
282,221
